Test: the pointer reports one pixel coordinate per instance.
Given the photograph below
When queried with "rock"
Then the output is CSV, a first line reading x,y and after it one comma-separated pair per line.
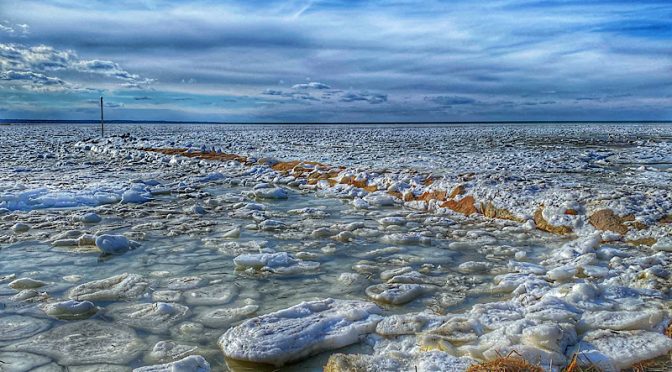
x,y
155,317
71,309
26,283
113,244
607,220
119,287
300,331
85,342
544,225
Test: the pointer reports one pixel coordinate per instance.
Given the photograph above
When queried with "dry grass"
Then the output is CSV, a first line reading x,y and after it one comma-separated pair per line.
x,y
513,362
199,154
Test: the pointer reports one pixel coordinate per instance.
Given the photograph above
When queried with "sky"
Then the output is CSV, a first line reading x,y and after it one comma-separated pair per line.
x,y
336,61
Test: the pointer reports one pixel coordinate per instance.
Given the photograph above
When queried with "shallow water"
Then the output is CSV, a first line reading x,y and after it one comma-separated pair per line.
x,y
53,174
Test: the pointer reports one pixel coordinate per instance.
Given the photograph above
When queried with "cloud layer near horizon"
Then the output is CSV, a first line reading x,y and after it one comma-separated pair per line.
x,y
337,60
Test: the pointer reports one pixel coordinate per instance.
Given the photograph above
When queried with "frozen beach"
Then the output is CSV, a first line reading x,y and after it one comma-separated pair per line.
x,y
371,247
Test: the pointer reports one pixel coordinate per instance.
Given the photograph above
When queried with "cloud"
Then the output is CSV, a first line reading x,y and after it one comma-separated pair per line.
x,y
450,100
372,98
311,85
402,58
32,80
15,30
31,67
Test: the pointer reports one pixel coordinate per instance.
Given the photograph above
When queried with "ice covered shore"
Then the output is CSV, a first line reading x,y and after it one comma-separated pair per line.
x,y
190,254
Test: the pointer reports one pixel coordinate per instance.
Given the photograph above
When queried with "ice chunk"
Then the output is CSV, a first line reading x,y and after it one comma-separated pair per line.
x,y
16,327
561,273
211,295
621,320
119,287
270,193
225,317
71,309
550,336
136,195
20,227
398,324
113,244
90,218
169,350
19,361
156,317
26,283
623,349
396,294
192,363
84,342
300,331
279,263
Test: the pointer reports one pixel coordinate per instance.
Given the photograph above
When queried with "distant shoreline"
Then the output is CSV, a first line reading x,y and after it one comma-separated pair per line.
x,y
6,122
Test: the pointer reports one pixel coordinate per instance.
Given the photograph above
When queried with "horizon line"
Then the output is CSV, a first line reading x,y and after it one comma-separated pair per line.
x,y
61,121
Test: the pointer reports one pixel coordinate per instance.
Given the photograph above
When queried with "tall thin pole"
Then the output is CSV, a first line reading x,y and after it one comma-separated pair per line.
x,y
102,122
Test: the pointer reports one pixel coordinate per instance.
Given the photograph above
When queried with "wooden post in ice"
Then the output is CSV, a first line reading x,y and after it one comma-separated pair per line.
x,y
102,122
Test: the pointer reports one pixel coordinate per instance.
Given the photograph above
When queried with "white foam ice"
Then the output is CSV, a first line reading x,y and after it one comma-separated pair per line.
x,y
299,331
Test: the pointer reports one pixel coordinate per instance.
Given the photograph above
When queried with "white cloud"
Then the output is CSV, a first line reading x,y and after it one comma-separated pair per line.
x,y
311,85
27,67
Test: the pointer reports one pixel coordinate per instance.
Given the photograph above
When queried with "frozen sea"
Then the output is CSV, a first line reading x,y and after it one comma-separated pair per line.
x,y
401,246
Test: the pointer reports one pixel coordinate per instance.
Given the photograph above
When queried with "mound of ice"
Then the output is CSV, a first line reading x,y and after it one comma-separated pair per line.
x,y
71,309
211,295
396,294
114,244
621,320
623,349
278,263
26,283
300,331
85,342
137,194
119,287
44,198
192,363
269,193
90,218
156,317
168,350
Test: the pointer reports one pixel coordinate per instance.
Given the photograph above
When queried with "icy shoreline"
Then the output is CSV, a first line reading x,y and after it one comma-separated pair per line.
x,y
579,268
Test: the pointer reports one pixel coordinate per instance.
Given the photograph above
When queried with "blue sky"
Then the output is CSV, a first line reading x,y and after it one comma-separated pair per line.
x,y
330,60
